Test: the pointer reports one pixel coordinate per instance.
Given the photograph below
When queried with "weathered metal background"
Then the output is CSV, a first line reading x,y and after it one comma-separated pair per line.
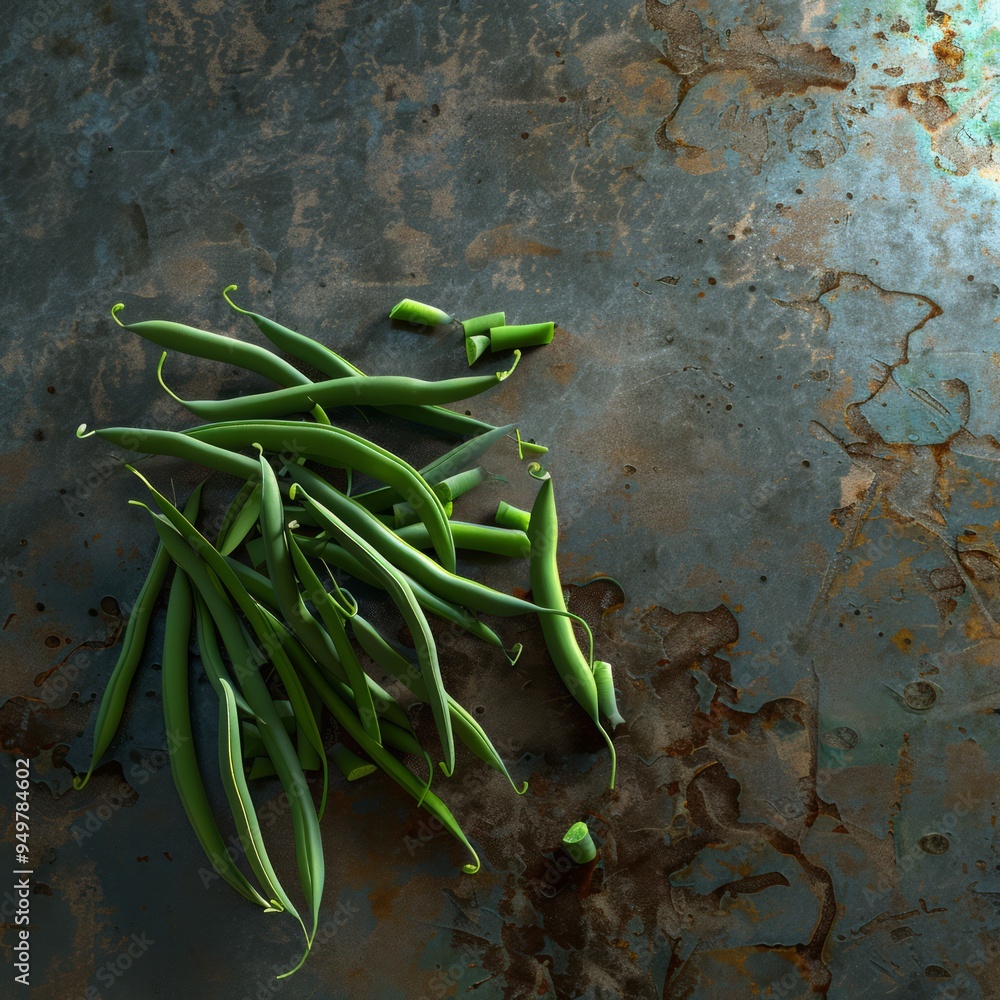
x,y
768,234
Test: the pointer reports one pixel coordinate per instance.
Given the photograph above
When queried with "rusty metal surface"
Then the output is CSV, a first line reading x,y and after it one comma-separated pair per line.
x,y
768,235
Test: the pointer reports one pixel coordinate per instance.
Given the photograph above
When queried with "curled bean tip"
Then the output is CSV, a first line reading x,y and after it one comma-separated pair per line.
x,y
115,310
163,385
225,295
502,375
537,472
78,782
293,491
471,869
523,789
514,653
82,432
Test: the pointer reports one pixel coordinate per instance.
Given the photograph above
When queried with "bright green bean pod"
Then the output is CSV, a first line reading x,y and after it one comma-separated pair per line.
x,y
396,585
109,715
579,844
475,348
502,338
419,313
508,516
176,445
351,766
543,569
180,741
341,449
230,729
482,324
355,390
467,729
606,693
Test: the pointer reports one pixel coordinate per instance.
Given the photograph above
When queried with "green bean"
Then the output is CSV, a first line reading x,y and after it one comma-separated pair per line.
x,y
177,445
419,313
448,490
184,545
399,590
334,366
340,448
467,729
475,348
456,589
579,844
543,569
606,693
203,344
351,766
180,741
322,645
109,715
509,516
523,446
482,324
502,338
356,390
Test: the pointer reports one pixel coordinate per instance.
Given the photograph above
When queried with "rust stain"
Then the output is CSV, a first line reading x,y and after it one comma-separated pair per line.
x,y
773,65
503,241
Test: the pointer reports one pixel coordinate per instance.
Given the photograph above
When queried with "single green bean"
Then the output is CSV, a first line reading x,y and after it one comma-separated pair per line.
x,y
579,844
509,516
606,693
473,538
502,338
351,766
482,324
419,313
109,715
574,668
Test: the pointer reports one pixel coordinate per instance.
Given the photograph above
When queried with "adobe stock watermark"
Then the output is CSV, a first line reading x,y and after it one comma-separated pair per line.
x,y
111,971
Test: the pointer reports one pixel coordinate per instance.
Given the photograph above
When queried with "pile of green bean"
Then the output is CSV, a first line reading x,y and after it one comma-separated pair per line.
x,y
278,635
